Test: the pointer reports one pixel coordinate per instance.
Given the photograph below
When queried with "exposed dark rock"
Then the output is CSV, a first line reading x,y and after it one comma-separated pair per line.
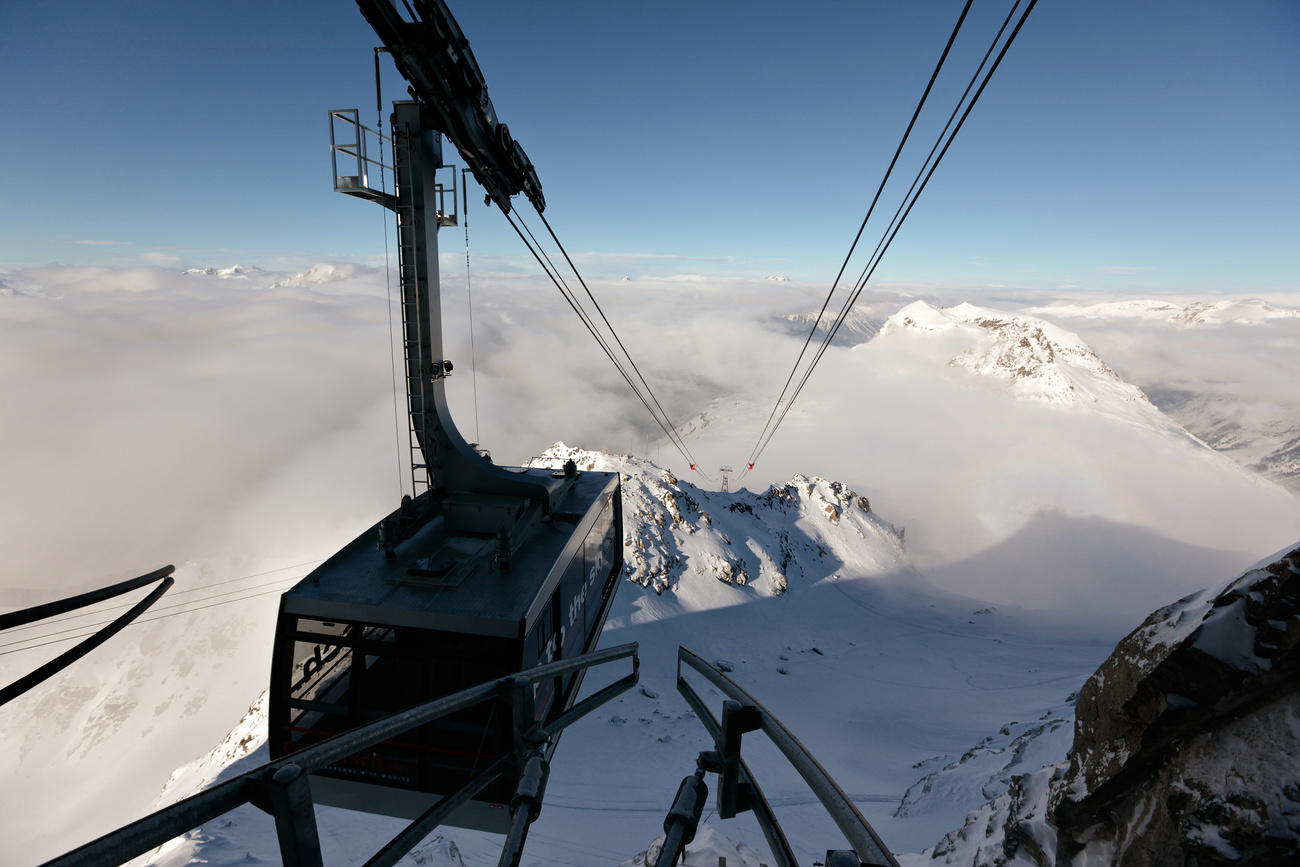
x,y
1186,746
1187,739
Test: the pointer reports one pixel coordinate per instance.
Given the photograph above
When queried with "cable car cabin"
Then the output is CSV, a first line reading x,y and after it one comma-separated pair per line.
x,y
367,634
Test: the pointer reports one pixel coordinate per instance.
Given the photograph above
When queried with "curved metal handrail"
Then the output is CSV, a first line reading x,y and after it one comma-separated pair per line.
x,y
856,829
50,609
71,655
281,786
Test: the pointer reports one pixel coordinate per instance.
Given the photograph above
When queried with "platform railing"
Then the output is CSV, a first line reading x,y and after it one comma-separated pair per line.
x,y
357,151
739,792
281,787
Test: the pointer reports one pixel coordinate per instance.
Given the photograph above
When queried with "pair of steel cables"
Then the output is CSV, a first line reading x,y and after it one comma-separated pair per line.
x,y
634,379
978,82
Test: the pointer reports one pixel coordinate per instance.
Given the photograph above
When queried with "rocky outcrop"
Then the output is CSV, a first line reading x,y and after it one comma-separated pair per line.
x,y
742,539
1186,747
1038,360
1187,739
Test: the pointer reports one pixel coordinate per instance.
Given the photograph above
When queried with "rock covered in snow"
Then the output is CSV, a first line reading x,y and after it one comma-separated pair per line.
x,y
234,272
858,326
1186,745
706,850
739,538
317,275
1038,359
1187,739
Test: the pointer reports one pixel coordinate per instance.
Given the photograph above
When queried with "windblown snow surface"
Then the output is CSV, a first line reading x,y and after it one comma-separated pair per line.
x,y
809,598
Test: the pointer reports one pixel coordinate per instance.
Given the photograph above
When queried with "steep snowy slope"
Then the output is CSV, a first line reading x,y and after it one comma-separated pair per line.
x,y
859,326
1220,368
1024,468
1035,359
810,598
283,393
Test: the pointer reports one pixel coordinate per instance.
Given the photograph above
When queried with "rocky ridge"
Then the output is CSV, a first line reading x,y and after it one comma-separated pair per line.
x,y
1040,360
859,326
746,547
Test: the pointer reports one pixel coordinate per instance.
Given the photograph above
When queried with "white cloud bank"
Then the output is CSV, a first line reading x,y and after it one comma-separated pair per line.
x,y
238,420
148,412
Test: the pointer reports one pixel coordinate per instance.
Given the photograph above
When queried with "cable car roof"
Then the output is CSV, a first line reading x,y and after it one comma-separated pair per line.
x,y
445,577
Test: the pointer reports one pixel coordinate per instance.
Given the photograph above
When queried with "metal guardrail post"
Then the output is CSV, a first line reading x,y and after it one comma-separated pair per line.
x,y
525,807
735,795
518,693
295,820
683,818
867,845
767,821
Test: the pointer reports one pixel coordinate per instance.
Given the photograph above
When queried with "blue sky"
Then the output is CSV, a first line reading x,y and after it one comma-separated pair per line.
x,y
1122,146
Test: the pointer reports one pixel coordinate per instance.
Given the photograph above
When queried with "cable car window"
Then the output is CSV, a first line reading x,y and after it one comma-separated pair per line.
x,y
380,633
388,684
602,555
320,667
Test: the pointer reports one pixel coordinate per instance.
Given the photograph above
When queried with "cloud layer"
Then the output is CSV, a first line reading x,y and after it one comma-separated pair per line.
x,y
153,415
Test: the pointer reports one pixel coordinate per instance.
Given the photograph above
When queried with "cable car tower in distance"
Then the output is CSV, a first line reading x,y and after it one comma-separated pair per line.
x,y
487,570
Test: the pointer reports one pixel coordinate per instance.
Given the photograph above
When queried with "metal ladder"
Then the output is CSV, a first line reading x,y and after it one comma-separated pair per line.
x,y
421,480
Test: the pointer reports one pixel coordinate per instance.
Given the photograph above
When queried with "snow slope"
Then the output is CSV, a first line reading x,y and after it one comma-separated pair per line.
x,y
1012,500
1035,359
1221,368
1025,469
859,326
881,675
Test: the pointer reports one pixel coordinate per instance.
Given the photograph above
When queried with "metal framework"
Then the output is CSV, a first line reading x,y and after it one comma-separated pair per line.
x,y
354,143
441,459
739,792
281,787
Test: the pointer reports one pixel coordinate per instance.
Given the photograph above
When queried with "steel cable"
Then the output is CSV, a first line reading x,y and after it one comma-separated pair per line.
x,y
753,456
600,310
548,267
905,209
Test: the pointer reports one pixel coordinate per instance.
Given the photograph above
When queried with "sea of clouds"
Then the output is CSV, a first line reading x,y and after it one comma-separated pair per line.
x,y
233,422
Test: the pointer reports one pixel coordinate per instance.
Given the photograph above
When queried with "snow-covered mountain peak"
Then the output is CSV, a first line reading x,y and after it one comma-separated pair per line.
x,y
316,275
756,543
859,326
234,272
1038,360
920,316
